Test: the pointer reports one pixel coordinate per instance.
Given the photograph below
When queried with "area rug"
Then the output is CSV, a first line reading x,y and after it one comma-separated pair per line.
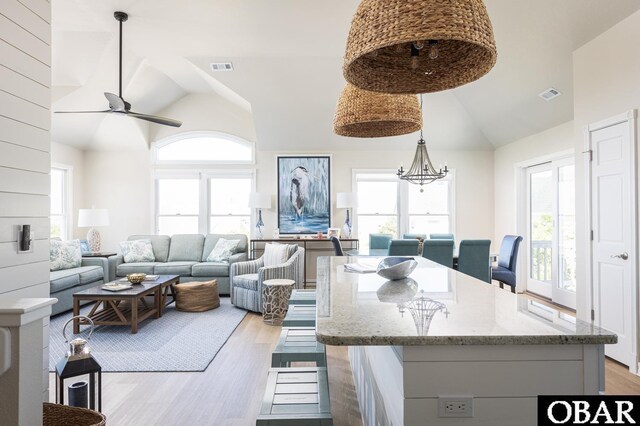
x,y
178,341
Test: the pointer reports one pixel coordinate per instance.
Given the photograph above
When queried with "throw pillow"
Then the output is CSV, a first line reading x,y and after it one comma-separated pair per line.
x,y
65,254
223,250
137,251
275,254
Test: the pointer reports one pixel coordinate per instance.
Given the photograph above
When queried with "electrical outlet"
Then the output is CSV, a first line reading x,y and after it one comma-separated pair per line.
x,y
455,406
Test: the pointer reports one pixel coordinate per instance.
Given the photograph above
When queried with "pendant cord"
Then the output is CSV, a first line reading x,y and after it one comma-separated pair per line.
x,y
421,117
120,65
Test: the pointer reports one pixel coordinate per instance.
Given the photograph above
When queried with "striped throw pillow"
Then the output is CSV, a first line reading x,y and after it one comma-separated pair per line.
x,y
275,254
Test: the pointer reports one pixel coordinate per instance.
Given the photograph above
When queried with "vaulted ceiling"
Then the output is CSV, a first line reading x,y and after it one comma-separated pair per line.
x,y
287,58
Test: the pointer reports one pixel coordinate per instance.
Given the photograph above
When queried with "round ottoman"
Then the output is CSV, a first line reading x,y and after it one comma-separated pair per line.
x,y
275,300
197,296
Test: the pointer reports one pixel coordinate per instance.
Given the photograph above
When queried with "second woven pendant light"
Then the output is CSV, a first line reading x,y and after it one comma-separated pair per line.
x,y
364,114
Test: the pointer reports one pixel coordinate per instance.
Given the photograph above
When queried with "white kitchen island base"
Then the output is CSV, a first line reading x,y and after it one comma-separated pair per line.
x,y
400,385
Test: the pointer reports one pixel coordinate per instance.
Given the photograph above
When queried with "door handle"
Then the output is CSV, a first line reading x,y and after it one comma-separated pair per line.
x,y
623,256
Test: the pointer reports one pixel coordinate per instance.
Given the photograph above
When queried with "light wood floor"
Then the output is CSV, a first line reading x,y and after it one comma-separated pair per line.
x,y
230,391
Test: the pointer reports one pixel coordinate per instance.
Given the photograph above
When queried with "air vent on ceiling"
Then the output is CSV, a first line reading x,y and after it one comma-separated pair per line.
x,y
221,66
550,93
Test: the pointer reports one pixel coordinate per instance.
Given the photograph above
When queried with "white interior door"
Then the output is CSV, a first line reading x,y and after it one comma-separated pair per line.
x,y
614,244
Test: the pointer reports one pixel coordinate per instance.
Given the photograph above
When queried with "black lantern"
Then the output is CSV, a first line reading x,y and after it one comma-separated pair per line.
x,y
79,362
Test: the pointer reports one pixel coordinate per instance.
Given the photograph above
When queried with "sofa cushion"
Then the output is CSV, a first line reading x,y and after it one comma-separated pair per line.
x,y
89,274
137,251
248,281
223,250
186,247
211,239
64,254
210,269
129,268
174,268
160,244
65,278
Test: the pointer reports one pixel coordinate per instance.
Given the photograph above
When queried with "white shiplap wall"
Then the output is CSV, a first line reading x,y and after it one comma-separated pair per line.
x,y
25,100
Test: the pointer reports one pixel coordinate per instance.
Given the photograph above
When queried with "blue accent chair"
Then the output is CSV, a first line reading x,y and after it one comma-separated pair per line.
x,y
505,272
337,247
439,251
473,259
379,241
414,236
403,247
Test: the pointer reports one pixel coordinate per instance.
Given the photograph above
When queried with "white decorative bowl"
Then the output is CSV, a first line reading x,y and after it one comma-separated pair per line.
x,y
396,268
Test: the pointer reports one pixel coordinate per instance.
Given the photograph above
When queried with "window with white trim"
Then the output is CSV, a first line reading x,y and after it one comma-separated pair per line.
x,y
211,195
389,205
60,199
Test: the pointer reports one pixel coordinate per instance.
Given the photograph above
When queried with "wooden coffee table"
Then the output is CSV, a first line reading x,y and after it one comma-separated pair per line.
x,y
127,307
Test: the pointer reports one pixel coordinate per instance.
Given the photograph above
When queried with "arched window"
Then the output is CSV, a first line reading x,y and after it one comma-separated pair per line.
x,y
198,187
203,147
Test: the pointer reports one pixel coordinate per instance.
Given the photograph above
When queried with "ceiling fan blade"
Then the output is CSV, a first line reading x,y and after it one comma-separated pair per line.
x,y
116,103
156,119
81,112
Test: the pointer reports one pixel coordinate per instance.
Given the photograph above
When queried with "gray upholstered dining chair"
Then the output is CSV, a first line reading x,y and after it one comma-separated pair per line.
x,y
439,251
473,259
379,241
505,272
414,236
403,247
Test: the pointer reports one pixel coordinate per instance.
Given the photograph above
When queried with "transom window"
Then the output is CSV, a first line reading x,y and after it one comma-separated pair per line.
x,y
389,205
205,198
204,147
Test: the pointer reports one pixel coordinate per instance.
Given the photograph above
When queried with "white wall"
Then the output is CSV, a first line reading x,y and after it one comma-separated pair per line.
x,y
506,160
474,183
119,181
70,156
606,78
25,98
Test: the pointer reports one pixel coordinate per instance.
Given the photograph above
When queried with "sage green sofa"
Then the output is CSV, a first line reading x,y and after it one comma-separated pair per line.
x,y
184,255
63,283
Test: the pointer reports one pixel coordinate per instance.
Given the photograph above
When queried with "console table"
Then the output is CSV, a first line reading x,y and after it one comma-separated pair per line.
x,y
313,248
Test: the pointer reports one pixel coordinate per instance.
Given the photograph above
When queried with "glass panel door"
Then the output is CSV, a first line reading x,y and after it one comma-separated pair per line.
x,y
541,207
551,231
564,292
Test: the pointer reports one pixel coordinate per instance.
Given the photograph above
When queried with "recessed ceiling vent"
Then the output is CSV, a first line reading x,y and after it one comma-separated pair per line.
x,y
550,93
221,66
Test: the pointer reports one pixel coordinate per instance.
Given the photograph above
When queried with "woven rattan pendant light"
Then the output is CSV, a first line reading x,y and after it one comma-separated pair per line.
x,y
418,46
364,114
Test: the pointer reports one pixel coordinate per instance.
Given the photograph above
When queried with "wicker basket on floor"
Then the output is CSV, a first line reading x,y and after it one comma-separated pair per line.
x,y
64,415
197,296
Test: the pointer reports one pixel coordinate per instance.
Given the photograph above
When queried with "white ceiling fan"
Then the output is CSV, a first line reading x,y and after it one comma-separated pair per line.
x,y
117,104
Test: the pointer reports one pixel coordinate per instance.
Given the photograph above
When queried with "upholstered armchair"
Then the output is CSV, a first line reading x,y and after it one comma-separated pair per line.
x,y
246,278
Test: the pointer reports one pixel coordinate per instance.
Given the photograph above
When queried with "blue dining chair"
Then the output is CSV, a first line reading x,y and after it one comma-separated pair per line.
x,y
443,237
379,241
473,259
403,247
414,236
337,247
505,272
439,251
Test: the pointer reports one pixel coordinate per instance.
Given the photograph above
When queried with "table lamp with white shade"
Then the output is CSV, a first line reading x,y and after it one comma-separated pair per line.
x,y
347,200
259,200
93,218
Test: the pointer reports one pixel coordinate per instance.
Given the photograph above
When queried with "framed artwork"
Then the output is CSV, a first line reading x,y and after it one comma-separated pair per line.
x,y
304,203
